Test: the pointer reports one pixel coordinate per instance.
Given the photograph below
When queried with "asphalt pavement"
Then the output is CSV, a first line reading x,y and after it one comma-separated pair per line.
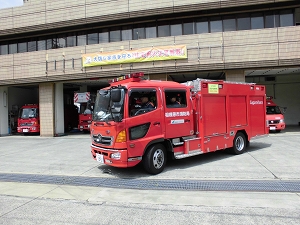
x,y
56,181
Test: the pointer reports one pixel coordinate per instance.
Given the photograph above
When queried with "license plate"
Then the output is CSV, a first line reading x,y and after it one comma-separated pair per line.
x,y
25,130
99,158
272,128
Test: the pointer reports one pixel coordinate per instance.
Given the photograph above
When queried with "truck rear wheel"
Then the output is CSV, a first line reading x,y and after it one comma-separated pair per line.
x,y
154,160
239,144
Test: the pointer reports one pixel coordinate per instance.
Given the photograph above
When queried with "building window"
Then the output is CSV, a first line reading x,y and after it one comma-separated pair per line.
x,y
41,44
216,25
163,30
244,22
271,20
32,45
104,36
229,24
139,33
126,33
3,49
50,44
22,47
257,21
13,48
151,31
71,40
92,38
202,26
286,18
176,29
61,41
81,38
188,28
115,35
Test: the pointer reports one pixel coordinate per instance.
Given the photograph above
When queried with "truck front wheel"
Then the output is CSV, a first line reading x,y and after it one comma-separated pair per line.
x,y
154,160
239,144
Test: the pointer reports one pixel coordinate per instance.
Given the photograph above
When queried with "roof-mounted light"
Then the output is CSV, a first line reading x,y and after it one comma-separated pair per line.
x,y
127,76
137,75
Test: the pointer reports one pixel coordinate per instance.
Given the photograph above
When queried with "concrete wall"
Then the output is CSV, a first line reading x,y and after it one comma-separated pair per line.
x,y
212,51
46,99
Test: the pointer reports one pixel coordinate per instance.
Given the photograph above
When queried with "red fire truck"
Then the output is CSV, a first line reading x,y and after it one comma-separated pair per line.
x,y
275,118
136,120
84,99
29,120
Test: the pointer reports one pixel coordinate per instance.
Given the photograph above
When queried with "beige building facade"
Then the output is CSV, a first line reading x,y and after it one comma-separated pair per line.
x,y
42,43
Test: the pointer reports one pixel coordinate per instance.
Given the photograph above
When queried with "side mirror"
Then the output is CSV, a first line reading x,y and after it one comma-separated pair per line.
x,y
116,95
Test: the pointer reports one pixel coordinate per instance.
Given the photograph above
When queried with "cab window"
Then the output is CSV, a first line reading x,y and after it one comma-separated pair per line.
x,y
142,101
175,99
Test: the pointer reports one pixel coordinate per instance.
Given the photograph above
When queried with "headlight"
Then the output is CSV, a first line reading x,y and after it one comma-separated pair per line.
x,y
116,155
281,121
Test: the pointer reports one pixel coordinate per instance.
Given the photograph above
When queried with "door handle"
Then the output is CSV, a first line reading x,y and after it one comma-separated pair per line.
x,y
156,123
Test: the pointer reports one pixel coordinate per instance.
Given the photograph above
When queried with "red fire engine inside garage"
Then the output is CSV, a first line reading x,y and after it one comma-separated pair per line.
x,y
283,84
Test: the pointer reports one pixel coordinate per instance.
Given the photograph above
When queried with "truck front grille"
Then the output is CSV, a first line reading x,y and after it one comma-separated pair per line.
x,y
26,124
104,140
273,121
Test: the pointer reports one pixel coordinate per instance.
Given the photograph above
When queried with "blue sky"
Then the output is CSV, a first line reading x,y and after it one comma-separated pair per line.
x,y
10,3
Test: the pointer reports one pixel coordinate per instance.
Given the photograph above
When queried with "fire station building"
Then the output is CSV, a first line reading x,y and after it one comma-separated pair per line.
x,y
50,49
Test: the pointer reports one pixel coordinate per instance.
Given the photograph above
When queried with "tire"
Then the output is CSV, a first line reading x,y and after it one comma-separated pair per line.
x,y
239,144
154,160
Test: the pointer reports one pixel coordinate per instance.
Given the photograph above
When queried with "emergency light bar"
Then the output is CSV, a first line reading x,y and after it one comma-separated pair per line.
x,y
127,76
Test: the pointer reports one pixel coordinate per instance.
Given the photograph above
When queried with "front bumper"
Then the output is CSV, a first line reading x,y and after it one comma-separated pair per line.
x,y
83,127
123,162
28,129
279,126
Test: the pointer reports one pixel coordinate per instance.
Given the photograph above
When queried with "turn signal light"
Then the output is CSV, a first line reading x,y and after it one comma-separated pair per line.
x,y
121,137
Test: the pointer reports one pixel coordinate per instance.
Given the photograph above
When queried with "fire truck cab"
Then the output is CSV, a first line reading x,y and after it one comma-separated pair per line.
x,y
29,120
84,99
275,118
138,120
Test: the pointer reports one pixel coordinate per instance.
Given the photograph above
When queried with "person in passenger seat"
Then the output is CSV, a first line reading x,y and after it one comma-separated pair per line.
x,y
174,102
146,104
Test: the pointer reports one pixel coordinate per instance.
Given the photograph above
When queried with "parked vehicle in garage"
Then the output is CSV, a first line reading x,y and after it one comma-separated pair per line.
x,y
136,120
29,120
275,118
86,104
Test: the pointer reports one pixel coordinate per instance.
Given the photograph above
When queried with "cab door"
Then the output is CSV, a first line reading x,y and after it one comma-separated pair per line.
x,y
144,125
178,116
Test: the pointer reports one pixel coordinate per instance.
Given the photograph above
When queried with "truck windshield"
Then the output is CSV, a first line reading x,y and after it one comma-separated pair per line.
x,y
273,110
28,113
107,110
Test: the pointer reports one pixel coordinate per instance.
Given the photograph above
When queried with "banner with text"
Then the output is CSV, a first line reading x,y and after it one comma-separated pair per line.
x,y
132,56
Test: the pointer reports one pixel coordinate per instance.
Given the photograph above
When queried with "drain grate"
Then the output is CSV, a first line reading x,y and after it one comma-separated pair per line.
x,y
158,184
